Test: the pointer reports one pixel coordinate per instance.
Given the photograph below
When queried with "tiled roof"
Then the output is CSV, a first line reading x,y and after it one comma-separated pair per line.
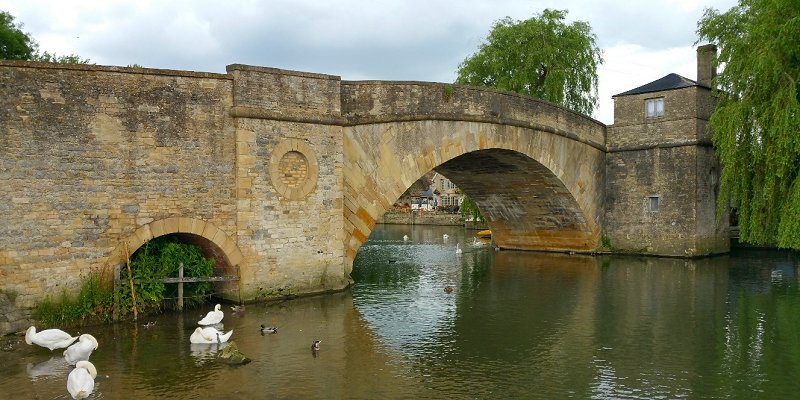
x,y
669,82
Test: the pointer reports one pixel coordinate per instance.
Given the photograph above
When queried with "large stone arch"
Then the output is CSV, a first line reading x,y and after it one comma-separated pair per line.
x,y
552,153
172,225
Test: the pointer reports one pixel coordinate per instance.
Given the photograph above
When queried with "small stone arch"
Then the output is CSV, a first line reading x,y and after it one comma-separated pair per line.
x,y
204,229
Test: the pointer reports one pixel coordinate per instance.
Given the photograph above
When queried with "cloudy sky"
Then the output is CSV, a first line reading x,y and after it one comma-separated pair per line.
x,y
420,40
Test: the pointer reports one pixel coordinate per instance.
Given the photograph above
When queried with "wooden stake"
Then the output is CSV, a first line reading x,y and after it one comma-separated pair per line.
x,y
180,286
130,279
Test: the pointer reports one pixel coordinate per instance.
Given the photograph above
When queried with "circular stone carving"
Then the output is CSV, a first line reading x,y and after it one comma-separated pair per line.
x,y
293,169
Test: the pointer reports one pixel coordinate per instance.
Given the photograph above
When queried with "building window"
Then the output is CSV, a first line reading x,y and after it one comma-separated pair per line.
x,y
652,203
654,108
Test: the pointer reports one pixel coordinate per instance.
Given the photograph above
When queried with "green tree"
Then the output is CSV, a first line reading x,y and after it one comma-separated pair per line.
x,y
541,57
756,125
54,58
18,45
468,210
14,43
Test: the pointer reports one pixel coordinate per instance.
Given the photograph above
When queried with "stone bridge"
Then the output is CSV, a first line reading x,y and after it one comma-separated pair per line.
x,y
279,175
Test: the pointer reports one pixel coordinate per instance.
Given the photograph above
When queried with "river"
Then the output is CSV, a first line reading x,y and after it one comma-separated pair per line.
x,y
424,322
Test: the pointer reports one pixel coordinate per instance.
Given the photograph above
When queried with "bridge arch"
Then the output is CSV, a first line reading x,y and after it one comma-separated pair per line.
x,y
223,245
536,170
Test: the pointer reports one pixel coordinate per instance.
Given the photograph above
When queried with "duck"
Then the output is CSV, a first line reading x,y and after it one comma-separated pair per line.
x,y
149,324
445,236
50,338
405,238
458,248
238,308
269,329
80,382
213,317
209,335
81,350
315,345
448,289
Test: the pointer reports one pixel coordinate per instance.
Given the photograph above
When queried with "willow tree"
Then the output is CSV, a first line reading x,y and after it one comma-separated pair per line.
x,y
756,125
542,57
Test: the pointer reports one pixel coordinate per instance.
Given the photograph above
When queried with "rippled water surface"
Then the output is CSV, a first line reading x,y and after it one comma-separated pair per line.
x,y
424,322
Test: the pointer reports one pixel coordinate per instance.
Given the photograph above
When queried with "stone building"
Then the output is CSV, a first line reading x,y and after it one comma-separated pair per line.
x,y
662,175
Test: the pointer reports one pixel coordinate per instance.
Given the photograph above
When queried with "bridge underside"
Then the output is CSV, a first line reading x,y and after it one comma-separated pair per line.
x,y
526,205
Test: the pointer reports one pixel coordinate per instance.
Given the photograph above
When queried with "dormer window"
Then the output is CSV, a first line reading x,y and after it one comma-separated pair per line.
x,y
654,108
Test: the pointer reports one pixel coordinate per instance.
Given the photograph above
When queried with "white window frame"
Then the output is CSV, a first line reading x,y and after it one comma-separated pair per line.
x,y
654,108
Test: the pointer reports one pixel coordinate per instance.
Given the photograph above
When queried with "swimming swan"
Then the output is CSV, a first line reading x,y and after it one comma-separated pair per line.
x,y
213,317
209,335
50,338
81,350
80,382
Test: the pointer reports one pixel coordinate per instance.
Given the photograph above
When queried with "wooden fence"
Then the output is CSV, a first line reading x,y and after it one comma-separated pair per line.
x,y
180,280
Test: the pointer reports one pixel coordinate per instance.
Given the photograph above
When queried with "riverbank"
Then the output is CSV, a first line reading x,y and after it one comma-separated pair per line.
x,y
417,217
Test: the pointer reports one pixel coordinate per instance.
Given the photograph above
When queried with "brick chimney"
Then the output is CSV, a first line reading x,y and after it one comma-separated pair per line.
x,y
705,67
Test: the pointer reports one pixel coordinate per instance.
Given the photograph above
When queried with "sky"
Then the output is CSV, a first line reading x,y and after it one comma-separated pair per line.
x,y
399,40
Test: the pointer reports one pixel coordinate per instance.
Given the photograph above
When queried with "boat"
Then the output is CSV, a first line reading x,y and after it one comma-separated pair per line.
x,y
484,233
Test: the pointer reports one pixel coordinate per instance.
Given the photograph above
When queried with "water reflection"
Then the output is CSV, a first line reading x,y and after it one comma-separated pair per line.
x,y
514,325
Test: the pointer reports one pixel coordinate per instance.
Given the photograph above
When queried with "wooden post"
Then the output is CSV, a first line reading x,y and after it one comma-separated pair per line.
x,y
115,310
130,279
180,286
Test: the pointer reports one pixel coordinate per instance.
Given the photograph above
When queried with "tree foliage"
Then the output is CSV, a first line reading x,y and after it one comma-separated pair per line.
x,y
160,258
756,128
470,211
15,44
541,57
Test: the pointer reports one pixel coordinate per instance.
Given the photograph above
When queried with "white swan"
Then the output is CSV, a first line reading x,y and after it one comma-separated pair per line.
x,y
209,335
213,317
50,338
458,248
81,350
80,382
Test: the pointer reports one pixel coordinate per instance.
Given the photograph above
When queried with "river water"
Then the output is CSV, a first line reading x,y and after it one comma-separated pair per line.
x,y
515,325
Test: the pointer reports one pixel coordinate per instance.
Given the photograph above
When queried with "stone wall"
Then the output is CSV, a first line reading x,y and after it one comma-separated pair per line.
x,y
421,218
289,180
89,154
12,318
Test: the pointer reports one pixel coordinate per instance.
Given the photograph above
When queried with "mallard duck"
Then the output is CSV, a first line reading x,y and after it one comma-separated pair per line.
x,y
445,236
50,338
213,317
238,308
149,324
209,335
448,289
315,345
81,350
269,329
80,382
405,238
